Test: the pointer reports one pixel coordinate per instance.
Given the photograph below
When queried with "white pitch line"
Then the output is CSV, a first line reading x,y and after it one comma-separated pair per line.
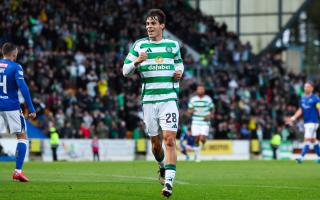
x,y
112,175
147,178
86,181
271,187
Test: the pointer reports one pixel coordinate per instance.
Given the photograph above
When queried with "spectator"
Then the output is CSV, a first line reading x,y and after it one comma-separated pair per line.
x,y
84,131
54,141
275,143
95,148
74,67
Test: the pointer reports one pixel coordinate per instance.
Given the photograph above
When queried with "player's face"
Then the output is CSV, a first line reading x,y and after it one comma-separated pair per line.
x,y
154,28
308,88
200,90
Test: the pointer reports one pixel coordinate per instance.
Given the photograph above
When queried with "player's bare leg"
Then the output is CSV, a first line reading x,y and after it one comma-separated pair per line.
x,y
171,160
203,140
158,153
21,152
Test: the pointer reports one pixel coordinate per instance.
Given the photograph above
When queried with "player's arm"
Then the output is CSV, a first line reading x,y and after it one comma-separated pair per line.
x,y
293,118
132,61
178,65
190,108
24,91
211,114
190,111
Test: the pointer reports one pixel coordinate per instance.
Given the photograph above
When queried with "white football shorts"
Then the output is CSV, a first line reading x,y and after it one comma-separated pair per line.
x,y
310,130
197,130
12,122
161,116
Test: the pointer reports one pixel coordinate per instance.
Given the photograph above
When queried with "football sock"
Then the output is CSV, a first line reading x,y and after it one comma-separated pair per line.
x,y
20,154
170,173
305,149
196,152
317,149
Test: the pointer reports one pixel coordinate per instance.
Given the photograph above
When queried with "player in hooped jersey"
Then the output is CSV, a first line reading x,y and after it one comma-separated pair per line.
x,y
201,108
11,117
160,65
309,107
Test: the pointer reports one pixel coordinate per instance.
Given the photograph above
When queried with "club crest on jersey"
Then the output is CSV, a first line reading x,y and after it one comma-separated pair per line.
x,y
169,49
159,60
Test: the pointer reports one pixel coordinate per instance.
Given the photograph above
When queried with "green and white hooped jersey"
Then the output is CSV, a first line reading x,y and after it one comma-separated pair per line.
x,y
202,107
164,58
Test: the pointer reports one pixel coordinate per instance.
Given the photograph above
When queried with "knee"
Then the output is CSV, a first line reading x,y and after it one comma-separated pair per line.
x,y
170,142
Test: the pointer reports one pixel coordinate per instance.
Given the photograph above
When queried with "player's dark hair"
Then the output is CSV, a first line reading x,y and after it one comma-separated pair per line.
x,y
157,14
310,83
200,85
8,48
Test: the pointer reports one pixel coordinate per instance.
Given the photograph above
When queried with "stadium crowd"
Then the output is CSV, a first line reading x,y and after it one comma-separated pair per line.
x,y
73,51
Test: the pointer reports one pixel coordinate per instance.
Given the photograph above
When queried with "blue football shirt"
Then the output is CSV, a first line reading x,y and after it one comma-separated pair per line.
x,y
11,80
308,104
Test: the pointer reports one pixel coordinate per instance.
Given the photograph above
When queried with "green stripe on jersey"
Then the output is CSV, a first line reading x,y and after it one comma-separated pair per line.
x,y
203,110
160,91
159,79
160,55
200,101
158,67
159,101
127,61
153,45
200,106
134,52
200,115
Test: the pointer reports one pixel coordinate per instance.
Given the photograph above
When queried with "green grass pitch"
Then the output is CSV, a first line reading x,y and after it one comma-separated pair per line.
x,y
138,180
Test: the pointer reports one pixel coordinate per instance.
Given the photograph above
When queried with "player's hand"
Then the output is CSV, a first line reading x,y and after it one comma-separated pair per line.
x,y
207,118
289,120
190,112
142,57
177,75
32,115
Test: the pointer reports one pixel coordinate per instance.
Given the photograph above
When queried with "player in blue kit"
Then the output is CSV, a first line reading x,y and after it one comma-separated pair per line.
x,y
11,117
309,107
187,142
